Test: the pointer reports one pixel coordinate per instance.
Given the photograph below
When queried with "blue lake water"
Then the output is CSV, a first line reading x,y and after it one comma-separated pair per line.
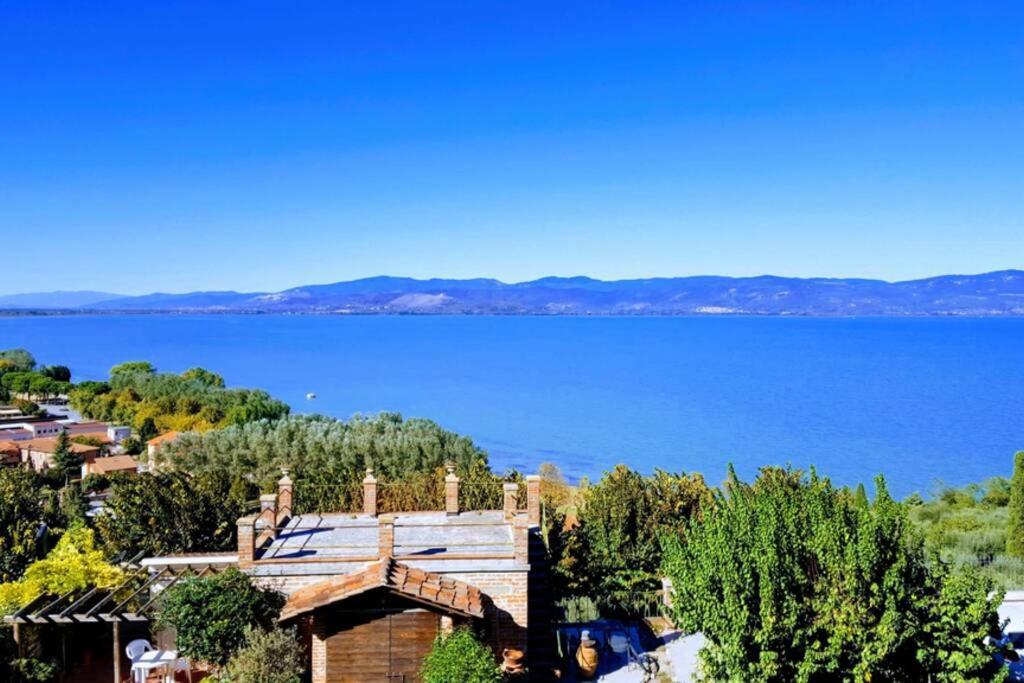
x,y
919,400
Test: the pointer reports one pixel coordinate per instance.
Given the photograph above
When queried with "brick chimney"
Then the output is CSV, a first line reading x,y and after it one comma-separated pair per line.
x,y
533,499
521,540
386,536
266,522
370,493
509,500
285,490
451,491
247,541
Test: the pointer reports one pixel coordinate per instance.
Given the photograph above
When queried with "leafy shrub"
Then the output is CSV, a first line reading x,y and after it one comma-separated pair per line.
x,y
73,564
613,555
790,579
21,515
1015,527
328,459
170,512
33,670
459,657
137,394
211,614
17,360
273,656
967,526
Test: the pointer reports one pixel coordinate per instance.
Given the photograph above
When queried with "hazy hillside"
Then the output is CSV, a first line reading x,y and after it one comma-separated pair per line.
x,y
54,299
999,293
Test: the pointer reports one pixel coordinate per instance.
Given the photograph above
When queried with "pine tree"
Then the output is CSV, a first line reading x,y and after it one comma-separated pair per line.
x,y
65,460
1015,524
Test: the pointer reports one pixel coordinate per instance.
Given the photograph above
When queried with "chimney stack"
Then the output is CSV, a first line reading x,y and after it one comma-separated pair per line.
x,y
533,499
370,493
451,491
510,500
284,498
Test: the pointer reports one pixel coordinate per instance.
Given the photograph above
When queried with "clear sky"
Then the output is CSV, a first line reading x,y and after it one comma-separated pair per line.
x,y
260,145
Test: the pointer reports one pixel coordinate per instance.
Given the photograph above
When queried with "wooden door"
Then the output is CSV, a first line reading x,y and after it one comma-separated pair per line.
x,y
412,634
379,646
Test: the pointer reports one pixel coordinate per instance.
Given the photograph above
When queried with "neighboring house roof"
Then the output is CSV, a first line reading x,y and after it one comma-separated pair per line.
x,y
49,445
99,436
85,427
418,585
16,434
163,438
114,463
48,425
9,452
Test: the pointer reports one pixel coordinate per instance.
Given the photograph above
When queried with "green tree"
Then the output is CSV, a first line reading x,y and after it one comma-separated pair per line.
x,y
171,512
147,430
211,614
66,462
327,457
74,564
21,518
59,373
1015,521
20,359
273,656
123,371
614,555
204,377
790,579
459,657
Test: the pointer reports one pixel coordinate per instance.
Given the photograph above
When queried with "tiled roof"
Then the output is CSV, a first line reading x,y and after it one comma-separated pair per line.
x,y
163,438
114,463
422,586
49,445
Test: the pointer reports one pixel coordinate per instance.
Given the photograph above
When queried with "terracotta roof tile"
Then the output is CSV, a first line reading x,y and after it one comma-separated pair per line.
x,y
400,579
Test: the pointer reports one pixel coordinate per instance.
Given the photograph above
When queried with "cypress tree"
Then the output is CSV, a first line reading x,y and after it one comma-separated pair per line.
x,y
1015,523
860,497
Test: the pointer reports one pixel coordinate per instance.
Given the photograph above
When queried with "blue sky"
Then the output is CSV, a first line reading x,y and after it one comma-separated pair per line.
x,y
262,145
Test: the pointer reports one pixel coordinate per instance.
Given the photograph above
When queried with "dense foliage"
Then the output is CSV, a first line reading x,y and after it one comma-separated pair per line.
x,y
967,526
21,516
790,579
171,512
273,656
211,615
193,401
74,564
37,385
328,458
1015,518
613,555
16,360
459,657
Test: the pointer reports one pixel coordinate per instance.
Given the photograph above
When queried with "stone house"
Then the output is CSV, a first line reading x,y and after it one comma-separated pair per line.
x,y
369,592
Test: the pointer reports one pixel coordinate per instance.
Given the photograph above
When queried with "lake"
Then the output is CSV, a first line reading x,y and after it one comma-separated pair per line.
x,y
918,400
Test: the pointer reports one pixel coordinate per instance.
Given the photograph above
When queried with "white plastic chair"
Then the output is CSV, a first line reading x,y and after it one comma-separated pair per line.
x,y
134,650
184,665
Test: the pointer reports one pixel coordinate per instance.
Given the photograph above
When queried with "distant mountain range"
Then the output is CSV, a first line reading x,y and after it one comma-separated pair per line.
x,y
55,299
990,294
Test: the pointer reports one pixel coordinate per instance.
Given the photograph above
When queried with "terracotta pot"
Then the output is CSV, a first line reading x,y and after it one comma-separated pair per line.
x,y
513,660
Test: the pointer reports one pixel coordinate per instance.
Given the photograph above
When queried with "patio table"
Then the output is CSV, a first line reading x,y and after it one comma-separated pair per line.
x,y
155,659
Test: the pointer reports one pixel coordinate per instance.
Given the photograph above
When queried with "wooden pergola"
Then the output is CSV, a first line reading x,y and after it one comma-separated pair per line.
x,y
135,600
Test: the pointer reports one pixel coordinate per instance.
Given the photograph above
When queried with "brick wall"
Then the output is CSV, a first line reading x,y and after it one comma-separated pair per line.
x,y
509,592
